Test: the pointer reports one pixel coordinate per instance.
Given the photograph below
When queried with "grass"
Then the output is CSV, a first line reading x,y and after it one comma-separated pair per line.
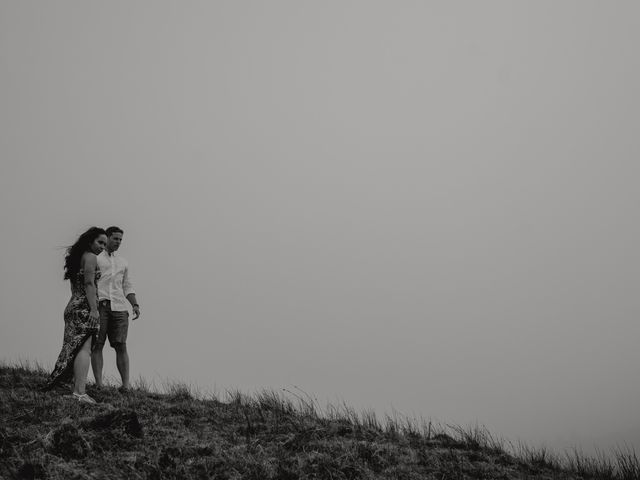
x,y
180,433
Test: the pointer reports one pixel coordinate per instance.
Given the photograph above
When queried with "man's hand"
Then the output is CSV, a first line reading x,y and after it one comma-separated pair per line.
x,y
136,311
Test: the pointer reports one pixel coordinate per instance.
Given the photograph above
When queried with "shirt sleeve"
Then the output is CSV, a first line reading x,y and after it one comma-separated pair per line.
x,y
127,284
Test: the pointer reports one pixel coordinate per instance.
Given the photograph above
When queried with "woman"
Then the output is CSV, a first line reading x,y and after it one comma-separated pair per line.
x,y
81,317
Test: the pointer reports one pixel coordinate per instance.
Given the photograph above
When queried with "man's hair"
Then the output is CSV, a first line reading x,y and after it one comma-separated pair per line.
x,y
112,230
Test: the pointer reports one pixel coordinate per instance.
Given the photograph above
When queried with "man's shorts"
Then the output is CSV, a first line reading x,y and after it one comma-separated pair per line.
x,y
113,325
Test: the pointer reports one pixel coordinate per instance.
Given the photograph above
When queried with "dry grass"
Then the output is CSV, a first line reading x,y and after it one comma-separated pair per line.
x,y
179,433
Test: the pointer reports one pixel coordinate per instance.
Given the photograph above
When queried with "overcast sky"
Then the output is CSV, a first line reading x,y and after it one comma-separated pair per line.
x,y
423,206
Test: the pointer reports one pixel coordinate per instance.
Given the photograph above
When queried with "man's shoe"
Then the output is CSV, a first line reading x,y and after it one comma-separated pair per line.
x,y
83,398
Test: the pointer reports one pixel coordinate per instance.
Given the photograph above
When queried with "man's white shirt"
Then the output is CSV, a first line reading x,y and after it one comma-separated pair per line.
x,y
115,282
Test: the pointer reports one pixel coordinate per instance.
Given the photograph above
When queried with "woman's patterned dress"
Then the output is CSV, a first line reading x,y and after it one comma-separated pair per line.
x,y
77,328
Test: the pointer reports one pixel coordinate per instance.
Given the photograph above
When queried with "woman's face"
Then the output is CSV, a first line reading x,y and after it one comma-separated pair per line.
x,y
99,244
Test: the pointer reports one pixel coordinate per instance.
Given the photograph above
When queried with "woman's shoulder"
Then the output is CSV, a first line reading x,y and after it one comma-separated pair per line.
x,y
88,258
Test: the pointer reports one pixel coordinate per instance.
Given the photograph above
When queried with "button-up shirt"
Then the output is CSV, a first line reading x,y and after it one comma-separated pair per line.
x,y
115,282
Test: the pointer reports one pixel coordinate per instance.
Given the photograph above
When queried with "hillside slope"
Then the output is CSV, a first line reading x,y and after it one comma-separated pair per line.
x,y
142,434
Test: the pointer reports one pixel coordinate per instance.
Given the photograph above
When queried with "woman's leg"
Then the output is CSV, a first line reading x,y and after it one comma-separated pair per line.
x,y
81,367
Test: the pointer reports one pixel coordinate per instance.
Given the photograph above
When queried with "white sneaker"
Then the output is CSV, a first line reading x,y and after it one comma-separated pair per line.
x,y
84,398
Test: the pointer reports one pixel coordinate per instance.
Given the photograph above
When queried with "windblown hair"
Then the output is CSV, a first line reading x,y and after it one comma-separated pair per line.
x,y
75,251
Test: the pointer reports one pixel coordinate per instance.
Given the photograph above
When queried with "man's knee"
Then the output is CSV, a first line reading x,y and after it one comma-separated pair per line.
x,y
120,347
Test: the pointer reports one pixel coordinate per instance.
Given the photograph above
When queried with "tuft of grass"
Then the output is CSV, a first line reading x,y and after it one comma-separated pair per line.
x,y
627,463
537,458
143,385
591,467
179,391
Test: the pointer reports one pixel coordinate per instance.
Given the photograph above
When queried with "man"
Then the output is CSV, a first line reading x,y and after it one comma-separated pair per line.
x,y
114,290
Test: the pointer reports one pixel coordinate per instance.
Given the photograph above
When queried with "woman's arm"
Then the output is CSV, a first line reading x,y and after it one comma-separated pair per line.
x,y
90,262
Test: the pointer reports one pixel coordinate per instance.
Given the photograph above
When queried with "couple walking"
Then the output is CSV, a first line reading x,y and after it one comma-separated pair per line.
x,y
97,310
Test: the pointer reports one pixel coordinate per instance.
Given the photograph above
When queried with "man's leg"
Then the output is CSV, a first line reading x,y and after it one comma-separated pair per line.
x,y
97,361
118,340
122,362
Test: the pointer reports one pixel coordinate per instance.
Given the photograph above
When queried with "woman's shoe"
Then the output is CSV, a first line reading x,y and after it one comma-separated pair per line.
x,y
83,398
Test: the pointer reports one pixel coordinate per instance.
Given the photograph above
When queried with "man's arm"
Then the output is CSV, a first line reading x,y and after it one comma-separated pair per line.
x,y
134,305
130,293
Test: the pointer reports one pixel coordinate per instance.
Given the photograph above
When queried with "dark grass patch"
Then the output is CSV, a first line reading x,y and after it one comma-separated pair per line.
x,y
31,471
68,442
123,421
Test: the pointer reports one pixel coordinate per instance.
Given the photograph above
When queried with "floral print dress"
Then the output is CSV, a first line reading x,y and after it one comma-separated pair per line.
x,y
78,326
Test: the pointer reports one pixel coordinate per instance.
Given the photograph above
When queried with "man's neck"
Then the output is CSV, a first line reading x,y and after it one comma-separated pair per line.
x,y
110,252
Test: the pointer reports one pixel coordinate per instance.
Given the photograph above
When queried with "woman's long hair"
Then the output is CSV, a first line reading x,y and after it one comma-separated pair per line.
x,y
75,251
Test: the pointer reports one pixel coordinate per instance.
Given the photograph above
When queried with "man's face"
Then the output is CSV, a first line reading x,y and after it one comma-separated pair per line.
x,y
114,241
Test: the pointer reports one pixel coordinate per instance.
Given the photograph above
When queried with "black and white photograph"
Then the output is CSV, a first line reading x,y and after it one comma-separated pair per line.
x,y
355,239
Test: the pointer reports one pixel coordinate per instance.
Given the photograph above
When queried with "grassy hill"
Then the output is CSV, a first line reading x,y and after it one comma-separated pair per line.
x,y
144,434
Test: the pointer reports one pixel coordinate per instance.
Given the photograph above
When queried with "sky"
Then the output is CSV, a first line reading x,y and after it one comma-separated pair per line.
x,y
427,208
